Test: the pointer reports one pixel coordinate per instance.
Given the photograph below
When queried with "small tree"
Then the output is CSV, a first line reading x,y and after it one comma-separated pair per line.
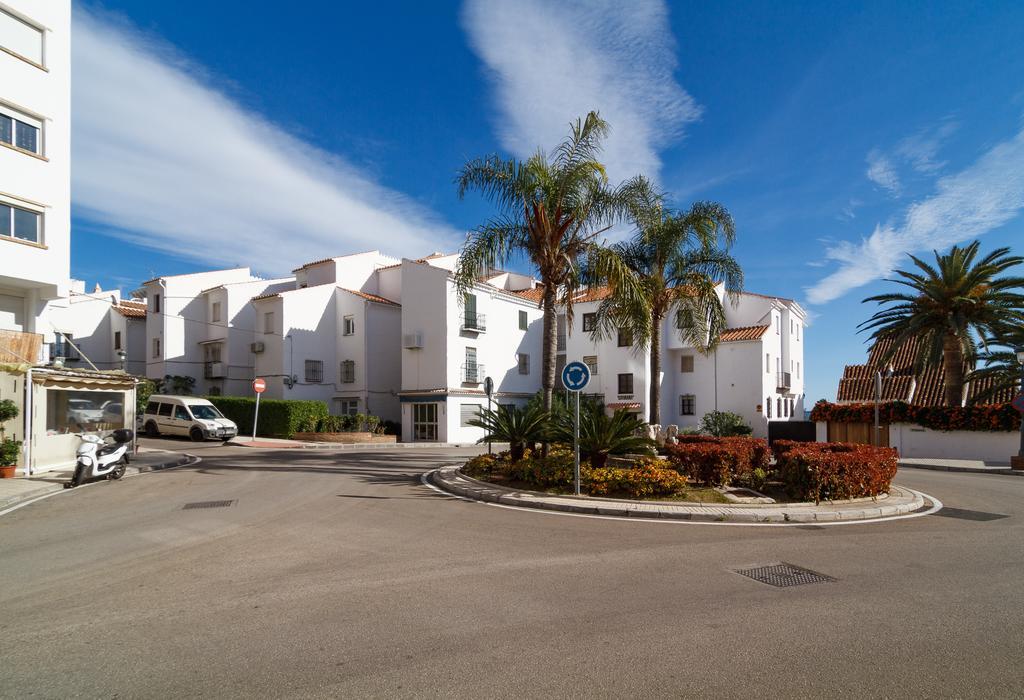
x,y
724,424
9,449
602,435
518,427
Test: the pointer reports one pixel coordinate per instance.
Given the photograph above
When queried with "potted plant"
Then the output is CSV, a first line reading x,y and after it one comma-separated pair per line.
x,y
9,449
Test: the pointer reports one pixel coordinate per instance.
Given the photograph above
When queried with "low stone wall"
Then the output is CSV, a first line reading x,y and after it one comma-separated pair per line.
x,y
346,438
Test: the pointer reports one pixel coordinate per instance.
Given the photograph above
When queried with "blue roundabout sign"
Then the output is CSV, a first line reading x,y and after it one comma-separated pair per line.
x,y
575,376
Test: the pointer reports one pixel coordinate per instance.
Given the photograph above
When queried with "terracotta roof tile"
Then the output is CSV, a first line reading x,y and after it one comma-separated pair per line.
x,y
265,296
627,405
732,335
593,294
535,294
372,297
131,309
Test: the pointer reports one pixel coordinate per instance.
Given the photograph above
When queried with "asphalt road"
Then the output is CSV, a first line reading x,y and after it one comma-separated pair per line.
x,y
342,576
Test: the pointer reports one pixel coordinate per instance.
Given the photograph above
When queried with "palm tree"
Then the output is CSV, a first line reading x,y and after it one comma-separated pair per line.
x,y
518,427
949,309
602,435
678,257
1000,373
553,208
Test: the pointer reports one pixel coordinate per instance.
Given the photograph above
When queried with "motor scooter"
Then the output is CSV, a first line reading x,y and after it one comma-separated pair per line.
x,y
98,457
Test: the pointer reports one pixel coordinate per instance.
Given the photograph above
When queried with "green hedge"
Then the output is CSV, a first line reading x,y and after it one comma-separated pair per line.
x,y
278,417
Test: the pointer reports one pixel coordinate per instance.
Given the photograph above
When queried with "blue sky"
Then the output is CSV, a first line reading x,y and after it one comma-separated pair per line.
x,y
840,135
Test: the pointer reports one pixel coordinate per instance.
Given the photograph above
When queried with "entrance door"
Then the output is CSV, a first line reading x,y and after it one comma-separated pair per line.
x,y
424,422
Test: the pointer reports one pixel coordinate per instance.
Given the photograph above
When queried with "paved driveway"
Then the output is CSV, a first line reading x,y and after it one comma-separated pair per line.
x,y
342,576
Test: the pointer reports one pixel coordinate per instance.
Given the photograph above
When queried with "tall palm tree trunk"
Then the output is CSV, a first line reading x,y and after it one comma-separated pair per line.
x,y
953,369
550,345
655,394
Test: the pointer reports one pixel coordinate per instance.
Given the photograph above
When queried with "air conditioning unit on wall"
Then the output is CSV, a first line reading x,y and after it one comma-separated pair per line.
x,y
412,341
257,347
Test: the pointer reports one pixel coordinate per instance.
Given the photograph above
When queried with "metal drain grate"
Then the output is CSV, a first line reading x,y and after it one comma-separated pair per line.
x,y
783,575
207,504
962,514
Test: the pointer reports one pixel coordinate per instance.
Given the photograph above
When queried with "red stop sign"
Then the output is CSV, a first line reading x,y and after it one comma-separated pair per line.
x,y
259,385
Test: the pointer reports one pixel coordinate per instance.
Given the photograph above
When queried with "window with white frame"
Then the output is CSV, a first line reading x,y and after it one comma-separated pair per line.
x,y
524,321
625,384
117,340
768,363
768,407
589,322
625,338
346,407
468,412
20,130
348,325
20,223
21,38
686,363
524,363
268,322
688,405
215,312
156,347
797,370
156,304
348,371
778,323
591,362
798,331
314,371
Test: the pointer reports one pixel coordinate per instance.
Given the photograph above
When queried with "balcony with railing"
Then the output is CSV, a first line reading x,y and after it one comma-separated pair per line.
x,y
474,322
473,373
785,381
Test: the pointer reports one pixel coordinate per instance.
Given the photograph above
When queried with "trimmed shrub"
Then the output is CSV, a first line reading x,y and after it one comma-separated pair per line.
x,y
724,424
994,417
781,447
835,471
718,461
647,479
278,417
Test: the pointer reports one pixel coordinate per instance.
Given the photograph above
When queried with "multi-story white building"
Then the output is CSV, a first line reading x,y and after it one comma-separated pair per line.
x,y
98,329
200,325
334,335
756,371
35,189
451,345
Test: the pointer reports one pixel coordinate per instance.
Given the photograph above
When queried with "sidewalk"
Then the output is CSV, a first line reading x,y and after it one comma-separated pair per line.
x,y
900,502
25,488
282,444
973,466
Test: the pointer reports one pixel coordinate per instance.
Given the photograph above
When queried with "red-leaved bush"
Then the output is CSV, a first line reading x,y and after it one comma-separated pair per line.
x,y
718,461
831,471
992,417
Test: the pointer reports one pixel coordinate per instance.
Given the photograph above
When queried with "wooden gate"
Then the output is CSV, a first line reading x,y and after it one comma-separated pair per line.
x,y
857,432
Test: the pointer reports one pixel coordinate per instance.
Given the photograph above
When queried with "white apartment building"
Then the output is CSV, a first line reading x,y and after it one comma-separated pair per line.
x,y
98,329
449,346
35,189
183,339
757,370
334,335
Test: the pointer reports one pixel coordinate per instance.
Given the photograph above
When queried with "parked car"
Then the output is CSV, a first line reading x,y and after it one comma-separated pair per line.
x,y
113,412
186,415
83,412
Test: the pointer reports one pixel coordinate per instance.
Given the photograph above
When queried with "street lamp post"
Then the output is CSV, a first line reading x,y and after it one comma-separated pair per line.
x,y
877,438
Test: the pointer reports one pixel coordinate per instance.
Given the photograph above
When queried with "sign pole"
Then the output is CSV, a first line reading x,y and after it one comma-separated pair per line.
x,y
576,442
259,386
256,417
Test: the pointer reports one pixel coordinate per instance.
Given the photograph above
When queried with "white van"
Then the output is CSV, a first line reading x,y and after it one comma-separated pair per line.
x,y
186,415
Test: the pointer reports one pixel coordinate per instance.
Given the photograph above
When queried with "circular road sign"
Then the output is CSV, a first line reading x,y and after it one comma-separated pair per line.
x,y
259,385
575,376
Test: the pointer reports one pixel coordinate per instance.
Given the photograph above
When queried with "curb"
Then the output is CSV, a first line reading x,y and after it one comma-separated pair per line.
x,y
451,480
1000,471
354,446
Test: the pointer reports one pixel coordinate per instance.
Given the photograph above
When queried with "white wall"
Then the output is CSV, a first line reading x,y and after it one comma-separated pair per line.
x,y
914,441
32,274
383,360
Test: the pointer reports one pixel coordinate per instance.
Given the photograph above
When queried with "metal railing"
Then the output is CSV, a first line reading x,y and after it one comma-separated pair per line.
x,y
473,373
472,321
785,380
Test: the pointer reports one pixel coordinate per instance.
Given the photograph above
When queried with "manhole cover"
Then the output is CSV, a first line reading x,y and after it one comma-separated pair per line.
x,y
962,514
784,575
207,504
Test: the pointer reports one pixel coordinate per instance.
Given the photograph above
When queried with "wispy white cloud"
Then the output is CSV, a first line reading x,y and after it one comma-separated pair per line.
x,y
920,150
882,172
849,212
982,197
553,62
164,159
